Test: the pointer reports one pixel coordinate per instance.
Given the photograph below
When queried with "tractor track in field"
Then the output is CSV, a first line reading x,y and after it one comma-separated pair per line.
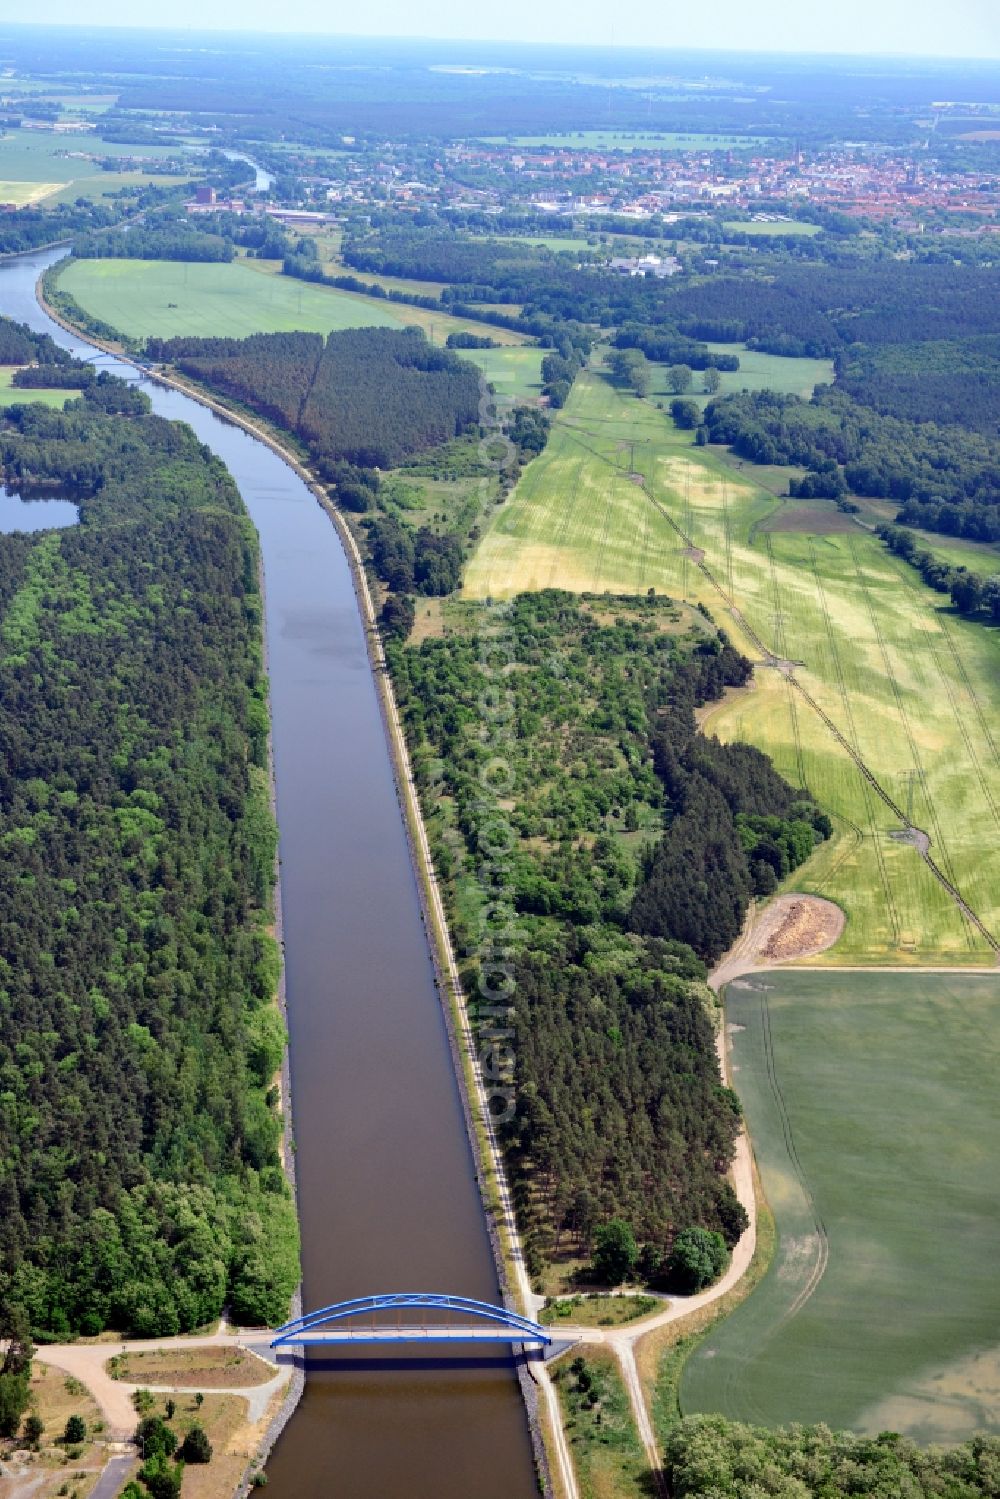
x,y
845,699
821,1252
781,644
904,719
961,672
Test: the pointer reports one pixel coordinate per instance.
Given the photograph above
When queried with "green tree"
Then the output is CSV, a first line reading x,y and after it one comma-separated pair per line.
x,y
398,615
991,598
15,1332
679,378
34,1428
697,1258
14,1393
75,1431
154,1438
196,1448
616,1252
967,592
711,380
639,376
162,1477
686,413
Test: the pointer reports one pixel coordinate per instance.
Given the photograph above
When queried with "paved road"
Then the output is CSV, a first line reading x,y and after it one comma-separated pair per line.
x,y
113,1479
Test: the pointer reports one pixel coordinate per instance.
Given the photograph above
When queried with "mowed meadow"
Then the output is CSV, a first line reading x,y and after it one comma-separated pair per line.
x,y
874,1113
622,502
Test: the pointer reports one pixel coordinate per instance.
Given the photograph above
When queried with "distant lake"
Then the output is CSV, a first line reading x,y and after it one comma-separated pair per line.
x,y
37,510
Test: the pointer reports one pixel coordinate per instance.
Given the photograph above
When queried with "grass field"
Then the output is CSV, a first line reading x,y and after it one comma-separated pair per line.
x,y
10,395
160,298
757,371
105,184
913,688
33,167
607,1454
574,244
875,1117
766,230
515,373
167,297
978,556
628,140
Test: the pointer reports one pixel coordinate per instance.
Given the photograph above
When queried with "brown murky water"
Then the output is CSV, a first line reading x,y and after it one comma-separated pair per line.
x,y
387,1195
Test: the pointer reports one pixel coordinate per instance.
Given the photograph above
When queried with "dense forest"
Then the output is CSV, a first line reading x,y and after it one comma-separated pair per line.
x,y
620,1109
718,1459
141,242
30,228
945,477
167,232
372,396
140,1179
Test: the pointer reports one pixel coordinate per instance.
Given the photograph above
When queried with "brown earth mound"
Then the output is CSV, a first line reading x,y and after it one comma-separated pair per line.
x,y
797,926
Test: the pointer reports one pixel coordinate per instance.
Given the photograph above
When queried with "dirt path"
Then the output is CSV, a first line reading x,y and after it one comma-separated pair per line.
x,y
87,1363
789,928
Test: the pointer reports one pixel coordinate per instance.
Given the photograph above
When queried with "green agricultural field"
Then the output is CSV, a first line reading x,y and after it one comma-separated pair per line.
x,y
770,230
144,298
38,165
914,689
516,374
10,395
757,371
978,556
628,140
872,1103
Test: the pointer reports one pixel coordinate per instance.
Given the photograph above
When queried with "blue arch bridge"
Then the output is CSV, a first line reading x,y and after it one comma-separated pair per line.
x,y
410,1317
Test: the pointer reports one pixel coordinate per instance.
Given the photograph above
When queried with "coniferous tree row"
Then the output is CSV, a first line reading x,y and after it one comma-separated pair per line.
x,y
373,396
140,1181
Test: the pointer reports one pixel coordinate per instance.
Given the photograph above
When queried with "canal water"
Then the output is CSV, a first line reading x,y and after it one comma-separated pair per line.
x,y
388,1199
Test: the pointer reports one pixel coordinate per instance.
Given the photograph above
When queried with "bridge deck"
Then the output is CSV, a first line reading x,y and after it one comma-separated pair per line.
x,y
408,1335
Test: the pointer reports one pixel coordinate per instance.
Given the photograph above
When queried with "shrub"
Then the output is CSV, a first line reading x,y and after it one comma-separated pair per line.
x,y
196,1448
76,1431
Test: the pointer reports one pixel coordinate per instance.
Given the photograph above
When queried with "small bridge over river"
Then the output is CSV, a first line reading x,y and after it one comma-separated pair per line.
x,y
409,1317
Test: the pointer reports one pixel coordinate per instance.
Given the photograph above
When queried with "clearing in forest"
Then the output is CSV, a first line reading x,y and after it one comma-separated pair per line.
x,y
622,502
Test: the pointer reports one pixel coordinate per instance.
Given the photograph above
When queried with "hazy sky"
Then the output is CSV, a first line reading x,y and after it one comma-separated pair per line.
x,y
955,28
